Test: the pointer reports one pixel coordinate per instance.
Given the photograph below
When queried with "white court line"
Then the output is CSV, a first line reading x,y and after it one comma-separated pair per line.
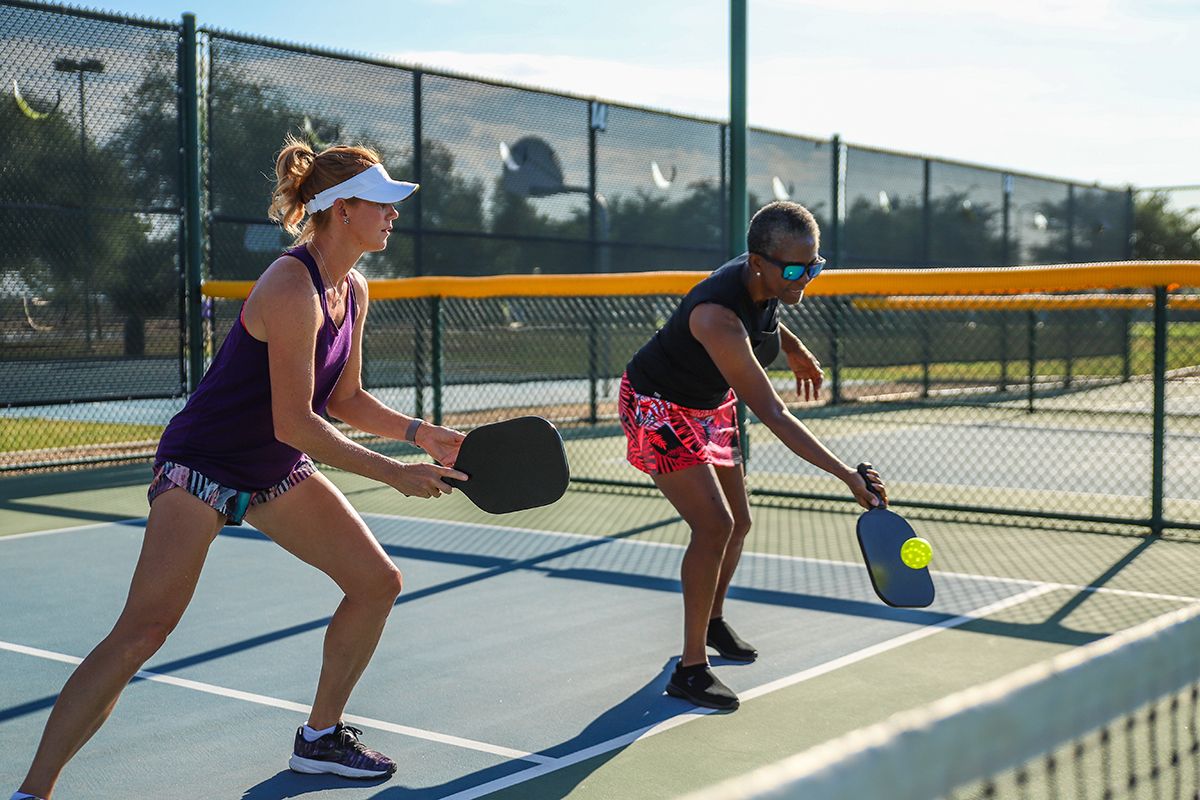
x,y
688,716
72,528
643,543
853,565
287,705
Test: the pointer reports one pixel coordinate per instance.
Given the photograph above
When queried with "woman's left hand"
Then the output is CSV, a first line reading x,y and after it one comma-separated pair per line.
x,y
440,442
808,372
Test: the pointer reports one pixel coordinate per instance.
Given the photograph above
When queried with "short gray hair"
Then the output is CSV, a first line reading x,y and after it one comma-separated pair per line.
x,y
777,220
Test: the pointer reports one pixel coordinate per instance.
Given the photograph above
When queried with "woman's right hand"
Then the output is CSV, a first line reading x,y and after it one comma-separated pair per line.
x,y
424,480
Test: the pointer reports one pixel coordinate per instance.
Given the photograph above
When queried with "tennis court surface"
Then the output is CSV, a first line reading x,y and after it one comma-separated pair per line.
x,y
527,655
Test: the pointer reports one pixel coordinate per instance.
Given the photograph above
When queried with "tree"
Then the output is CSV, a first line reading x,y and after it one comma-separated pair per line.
x,y
144,279
1162,232
62,234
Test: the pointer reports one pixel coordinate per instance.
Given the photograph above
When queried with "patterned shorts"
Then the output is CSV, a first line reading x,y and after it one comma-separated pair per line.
x,y
230,502
663,437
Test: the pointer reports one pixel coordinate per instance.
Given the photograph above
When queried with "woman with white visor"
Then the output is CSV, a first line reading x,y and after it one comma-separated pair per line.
x,y
244,447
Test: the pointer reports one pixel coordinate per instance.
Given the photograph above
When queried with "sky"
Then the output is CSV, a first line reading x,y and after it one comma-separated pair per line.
x,y
1103,91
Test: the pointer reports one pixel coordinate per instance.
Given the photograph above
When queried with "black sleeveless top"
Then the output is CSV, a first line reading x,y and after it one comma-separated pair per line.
x,y
673,365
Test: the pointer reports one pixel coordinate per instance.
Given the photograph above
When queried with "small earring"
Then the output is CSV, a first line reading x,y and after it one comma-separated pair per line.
x,y
345,220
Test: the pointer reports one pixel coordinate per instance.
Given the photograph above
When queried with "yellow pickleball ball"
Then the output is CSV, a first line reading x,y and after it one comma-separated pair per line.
x,y
916,553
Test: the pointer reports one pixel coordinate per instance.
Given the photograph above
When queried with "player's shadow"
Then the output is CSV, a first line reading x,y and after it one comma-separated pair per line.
x,y
576,758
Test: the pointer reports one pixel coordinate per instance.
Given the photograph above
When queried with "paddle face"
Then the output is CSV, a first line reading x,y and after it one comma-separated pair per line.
x,y
515,464
880,535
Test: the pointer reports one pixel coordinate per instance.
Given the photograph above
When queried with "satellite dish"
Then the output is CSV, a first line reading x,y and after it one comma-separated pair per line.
x,y
780,191
531,169
660,180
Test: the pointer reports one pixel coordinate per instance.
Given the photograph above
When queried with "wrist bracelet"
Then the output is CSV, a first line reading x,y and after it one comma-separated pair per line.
x,y
411,434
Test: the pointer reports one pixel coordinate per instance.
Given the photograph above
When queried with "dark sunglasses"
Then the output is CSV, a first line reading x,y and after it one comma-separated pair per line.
x,y
794,272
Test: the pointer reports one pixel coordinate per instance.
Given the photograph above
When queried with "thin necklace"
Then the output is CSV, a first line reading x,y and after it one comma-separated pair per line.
x,y
337,293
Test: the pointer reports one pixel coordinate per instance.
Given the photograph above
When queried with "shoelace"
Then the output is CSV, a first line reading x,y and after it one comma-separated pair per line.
x,y
348,736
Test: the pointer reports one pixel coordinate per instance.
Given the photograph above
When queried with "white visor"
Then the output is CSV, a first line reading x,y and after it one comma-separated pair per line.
x,y
372,184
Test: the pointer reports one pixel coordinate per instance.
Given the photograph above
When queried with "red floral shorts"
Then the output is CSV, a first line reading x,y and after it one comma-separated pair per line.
x,y
663,437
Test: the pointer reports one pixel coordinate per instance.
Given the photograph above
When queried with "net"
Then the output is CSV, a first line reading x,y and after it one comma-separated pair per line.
x,y
1115,719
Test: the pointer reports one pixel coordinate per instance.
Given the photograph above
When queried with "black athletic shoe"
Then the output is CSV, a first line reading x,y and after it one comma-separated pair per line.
x,y
339,753
725,641
698,685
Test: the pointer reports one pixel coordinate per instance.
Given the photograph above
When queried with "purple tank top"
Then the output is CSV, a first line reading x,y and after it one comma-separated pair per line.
x,y
225,431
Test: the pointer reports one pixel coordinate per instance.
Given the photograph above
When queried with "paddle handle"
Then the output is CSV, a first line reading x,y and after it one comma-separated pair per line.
x,y
862,471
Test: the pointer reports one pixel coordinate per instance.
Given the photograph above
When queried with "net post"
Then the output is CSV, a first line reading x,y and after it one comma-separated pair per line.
x,y
1160,409
192,227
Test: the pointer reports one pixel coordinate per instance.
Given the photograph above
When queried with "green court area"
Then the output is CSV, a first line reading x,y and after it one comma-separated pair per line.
x,y
834,659
28,435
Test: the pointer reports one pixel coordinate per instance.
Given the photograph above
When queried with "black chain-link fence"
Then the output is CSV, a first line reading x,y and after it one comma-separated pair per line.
x,y
515,180
1053,405
90,205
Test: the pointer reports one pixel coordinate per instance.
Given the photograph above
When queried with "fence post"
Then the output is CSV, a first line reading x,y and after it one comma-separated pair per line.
x,y
418,246
1068,355
739,201
1126,314
1006,260
192,229
835,258
1032,353
593,318
1160,409
926,253
435,344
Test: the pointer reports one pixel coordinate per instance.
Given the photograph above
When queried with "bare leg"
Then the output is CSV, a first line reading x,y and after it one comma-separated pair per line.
x,y
178,534
733,484
315,522
698,497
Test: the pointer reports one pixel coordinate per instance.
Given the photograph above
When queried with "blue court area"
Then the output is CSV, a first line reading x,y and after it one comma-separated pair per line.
x,y
510,654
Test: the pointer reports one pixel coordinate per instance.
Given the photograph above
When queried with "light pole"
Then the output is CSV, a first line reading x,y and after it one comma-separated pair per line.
x,y
83,67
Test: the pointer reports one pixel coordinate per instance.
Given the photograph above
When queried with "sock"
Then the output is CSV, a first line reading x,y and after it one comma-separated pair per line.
x,y
311,735
23,796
